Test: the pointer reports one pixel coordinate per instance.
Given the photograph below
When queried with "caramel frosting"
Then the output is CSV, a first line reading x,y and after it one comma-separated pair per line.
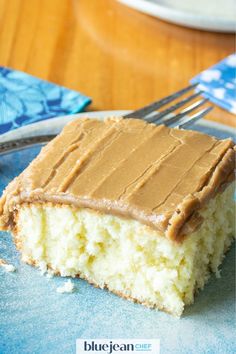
x,y
157,175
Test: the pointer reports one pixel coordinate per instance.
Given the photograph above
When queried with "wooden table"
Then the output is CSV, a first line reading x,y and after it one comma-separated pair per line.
x,y
121,58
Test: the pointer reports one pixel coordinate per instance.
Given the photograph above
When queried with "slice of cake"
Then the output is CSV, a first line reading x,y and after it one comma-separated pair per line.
x,y
142,210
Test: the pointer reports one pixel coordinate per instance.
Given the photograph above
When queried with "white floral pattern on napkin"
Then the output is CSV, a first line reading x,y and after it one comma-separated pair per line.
x,y
25,99
219,83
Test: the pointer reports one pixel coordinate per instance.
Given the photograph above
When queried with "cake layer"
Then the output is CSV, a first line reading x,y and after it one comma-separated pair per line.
x,y
126,167
125,256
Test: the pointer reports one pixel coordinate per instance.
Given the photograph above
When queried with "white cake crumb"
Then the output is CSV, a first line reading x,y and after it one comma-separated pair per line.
x,y
49,275
9,268
6,266
68,287
43,267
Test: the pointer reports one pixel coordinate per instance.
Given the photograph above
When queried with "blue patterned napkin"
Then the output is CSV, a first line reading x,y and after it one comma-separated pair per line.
x,y
25,99
219,83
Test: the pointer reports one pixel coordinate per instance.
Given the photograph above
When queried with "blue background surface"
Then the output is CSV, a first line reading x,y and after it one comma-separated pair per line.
x,y
34,318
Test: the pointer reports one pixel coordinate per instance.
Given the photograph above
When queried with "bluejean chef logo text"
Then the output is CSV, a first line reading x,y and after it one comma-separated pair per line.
x,y
113,346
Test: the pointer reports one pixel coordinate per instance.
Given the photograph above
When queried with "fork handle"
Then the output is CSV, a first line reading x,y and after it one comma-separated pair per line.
x,y
24,142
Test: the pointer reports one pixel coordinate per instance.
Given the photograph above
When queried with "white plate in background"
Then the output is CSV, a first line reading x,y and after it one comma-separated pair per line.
x,y
213,15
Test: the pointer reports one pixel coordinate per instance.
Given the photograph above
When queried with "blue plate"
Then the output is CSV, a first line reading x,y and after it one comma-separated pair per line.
x,y
34,318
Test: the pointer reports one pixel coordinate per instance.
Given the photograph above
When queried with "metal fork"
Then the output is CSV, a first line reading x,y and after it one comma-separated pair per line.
x,y
148,113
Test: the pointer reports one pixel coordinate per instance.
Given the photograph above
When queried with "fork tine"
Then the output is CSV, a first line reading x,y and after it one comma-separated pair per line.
x,y
195,117
186,111
157,117
142,112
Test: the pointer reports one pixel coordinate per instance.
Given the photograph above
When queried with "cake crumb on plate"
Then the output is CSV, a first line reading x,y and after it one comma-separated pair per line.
x,y
6,266
68,287
49,275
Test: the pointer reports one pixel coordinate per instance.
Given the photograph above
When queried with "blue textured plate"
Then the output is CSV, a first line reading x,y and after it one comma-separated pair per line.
x,y
34,318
